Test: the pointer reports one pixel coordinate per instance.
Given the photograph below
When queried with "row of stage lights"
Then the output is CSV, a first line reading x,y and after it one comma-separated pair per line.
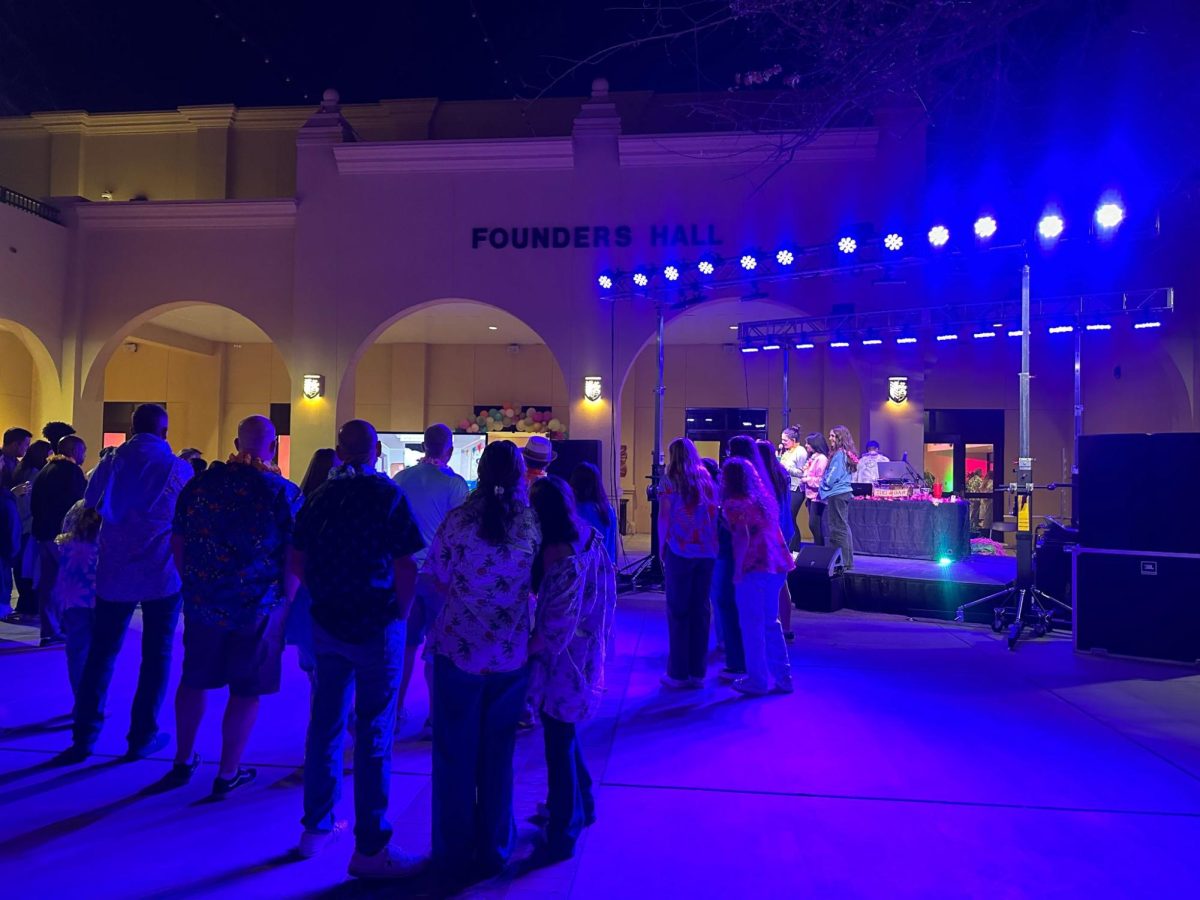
x,y
1108,218
983,333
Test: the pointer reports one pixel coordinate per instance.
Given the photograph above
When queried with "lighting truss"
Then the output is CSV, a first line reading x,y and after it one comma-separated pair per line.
x,y
1078,308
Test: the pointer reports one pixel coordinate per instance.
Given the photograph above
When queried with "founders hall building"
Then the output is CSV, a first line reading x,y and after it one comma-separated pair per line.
x,y
415,261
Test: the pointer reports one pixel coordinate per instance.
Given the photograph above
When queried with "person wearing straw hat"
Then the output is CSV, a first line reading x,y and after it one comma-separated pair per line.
x,y
538,455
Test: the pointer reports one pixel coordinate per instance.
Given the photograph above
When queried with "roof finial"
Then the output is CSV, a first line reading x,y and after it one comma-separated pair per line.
x,y
331,100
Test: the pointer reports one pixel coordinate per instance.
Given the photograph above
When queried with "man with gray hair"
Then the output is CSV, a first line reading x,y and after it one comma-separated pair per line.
x,y
233,526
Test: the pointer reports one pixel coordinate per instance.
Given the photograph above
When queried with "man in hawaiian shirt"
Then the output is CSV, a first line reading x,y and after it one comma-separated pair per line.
x,y
233,526
353,547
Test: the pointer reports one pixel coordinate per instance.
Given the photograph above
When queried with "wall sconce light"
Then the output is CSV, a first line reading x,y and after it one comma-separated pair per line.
x,y
591,387
897,388
106,195
314,386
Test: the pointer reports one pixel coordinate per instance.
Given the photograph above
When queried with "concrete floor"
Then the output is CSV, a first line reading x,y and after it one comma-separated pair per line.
x,y
915,759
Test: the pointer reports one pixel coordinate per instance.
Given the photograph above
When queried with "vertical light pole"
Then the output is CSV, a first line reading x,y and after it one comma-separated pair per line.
x,y
787,402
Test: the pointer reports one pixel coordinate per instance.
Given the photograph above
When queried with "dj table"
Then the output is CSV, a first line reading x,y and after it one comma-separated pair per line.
x,y
913,529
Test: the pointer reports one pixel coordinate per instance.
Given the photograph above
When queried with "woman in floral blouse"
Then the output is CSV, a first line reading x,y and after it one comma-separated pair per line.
x,y
482,561
576,589
761,562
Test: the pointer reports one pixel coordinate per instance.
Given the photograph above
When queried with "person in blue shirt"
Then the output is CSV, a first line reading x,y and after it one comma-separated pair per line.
x,y
592,504
836,491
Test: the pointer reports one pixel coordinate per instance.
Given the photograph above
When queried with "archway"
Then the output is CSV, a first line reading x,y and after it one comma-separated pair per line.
x,y
705,369
30,385
210,366
449,361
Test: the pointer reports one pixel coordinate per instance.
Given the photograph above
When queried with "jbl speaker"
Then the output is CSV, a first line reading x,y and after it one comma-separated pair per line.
x,y
1137,604
569,454
816,582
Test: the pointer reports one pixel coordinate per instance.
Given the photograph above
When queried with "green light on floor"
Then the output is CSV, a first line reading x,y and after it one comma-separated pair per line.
x,y
944,561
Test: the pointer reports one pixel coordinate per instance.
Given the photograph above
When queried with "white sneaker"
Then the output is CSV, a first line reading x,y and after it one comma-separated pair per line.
x,y
390,862
313,842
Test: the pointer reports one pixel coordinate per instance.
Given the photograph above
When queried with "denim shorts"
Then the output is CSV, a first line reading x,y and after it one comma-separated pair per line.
x,y
248,659
427,603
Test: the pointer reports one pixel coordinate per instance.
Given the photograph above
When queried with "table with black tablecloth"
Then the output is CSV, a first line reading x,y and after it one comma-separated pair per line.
x,y
913,529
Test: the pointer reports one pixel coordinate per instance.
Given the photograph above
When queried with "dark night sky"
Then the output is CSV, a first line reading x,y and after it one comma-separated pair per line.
x,y
1084,70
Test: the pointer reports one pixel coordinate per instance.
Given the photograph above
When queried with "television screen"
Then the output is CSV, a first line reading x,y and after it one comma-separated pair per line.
x,y
403,449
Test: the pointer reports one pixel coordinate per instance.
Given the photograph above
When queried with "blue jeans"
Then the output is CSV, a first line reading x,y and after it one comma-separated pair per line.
x,y
725,605
159,620
569,787
77,624
762,635
370,674
687,582
474,737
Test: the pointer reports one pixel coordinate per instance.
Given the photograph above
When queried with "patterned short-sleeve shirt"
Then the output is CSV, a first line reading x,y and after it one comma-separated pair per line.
x,y
485,623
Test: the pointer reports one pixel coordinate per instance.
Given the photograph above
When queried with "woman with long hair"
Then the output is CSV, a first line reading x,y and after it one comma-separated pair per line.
x,y
761,564
793,456
778,485
481,561
814,471
687,533
837,492
576,597
591,501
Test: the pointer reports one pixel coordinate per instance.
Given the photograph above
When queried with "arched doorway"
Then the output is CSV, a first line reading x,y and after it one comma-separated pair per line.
x,y
30,386
210,366
704,368
456,361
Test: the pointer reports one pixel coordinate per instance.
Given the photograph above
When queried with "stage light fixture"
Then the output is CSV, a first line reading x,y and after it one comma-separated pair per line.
x,y
944,561
706,267
1109,215
1016,333
839,344
948,336
906,339
1061,329
785,257
985,227
749,262
605,281
939,235
770,346
871,342
1147,323
641,279
983,334
847,244
893,241
1099,326
804,346
671,273
749,349
1051,226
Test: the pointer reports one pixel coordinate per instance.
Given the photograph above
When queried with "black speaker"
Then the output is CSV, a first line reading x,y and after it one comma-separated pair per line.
x,y
816,582
569,454
1126,499
1137,604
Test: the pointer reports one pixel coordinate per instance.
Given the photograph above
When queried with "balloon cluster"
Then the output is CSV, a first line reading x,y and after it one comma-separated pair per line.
x,y
511,418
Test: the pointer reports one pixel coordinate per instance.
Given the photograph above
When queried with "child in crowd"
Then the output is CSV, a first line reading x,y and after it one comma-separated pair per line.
x,y
74,593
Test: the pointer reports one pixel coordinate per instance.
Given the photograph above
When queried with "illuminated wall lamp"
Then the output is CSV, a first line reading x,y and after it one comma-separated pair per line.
x,y
314,386
898,388
591,387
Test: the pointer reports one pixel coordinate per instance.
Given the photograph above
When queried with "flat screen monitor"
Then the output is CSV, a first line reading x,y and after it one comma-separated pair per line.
x,y
403,449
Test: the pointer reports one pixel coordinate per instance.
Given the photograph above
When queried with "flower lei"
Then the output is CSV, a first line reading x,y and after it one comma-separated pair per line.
x,y
248,459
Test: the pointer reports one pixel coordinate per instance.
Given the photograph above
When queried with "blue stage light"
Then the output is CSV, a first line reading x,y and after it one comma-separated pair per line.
x,y
785,257
985,227
948,336
749,262
749,349
1016,333
1109,215
847,244
1061,329
770,346
671,273
641,279
944,561
1148,323
939,235
906,339
706,267
804,346
872,342
1099,326
1051,226
839,344
605,281
893,241
980,335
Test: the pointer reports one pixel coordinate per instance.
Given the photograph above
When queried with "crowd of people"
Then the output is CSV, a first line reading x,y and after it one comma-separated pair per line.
x,y
506,592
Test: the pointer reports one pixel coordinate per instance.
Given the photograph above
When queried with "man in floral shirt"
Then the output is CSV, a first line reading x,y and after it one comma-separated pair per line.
x,y
232,528
354,545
